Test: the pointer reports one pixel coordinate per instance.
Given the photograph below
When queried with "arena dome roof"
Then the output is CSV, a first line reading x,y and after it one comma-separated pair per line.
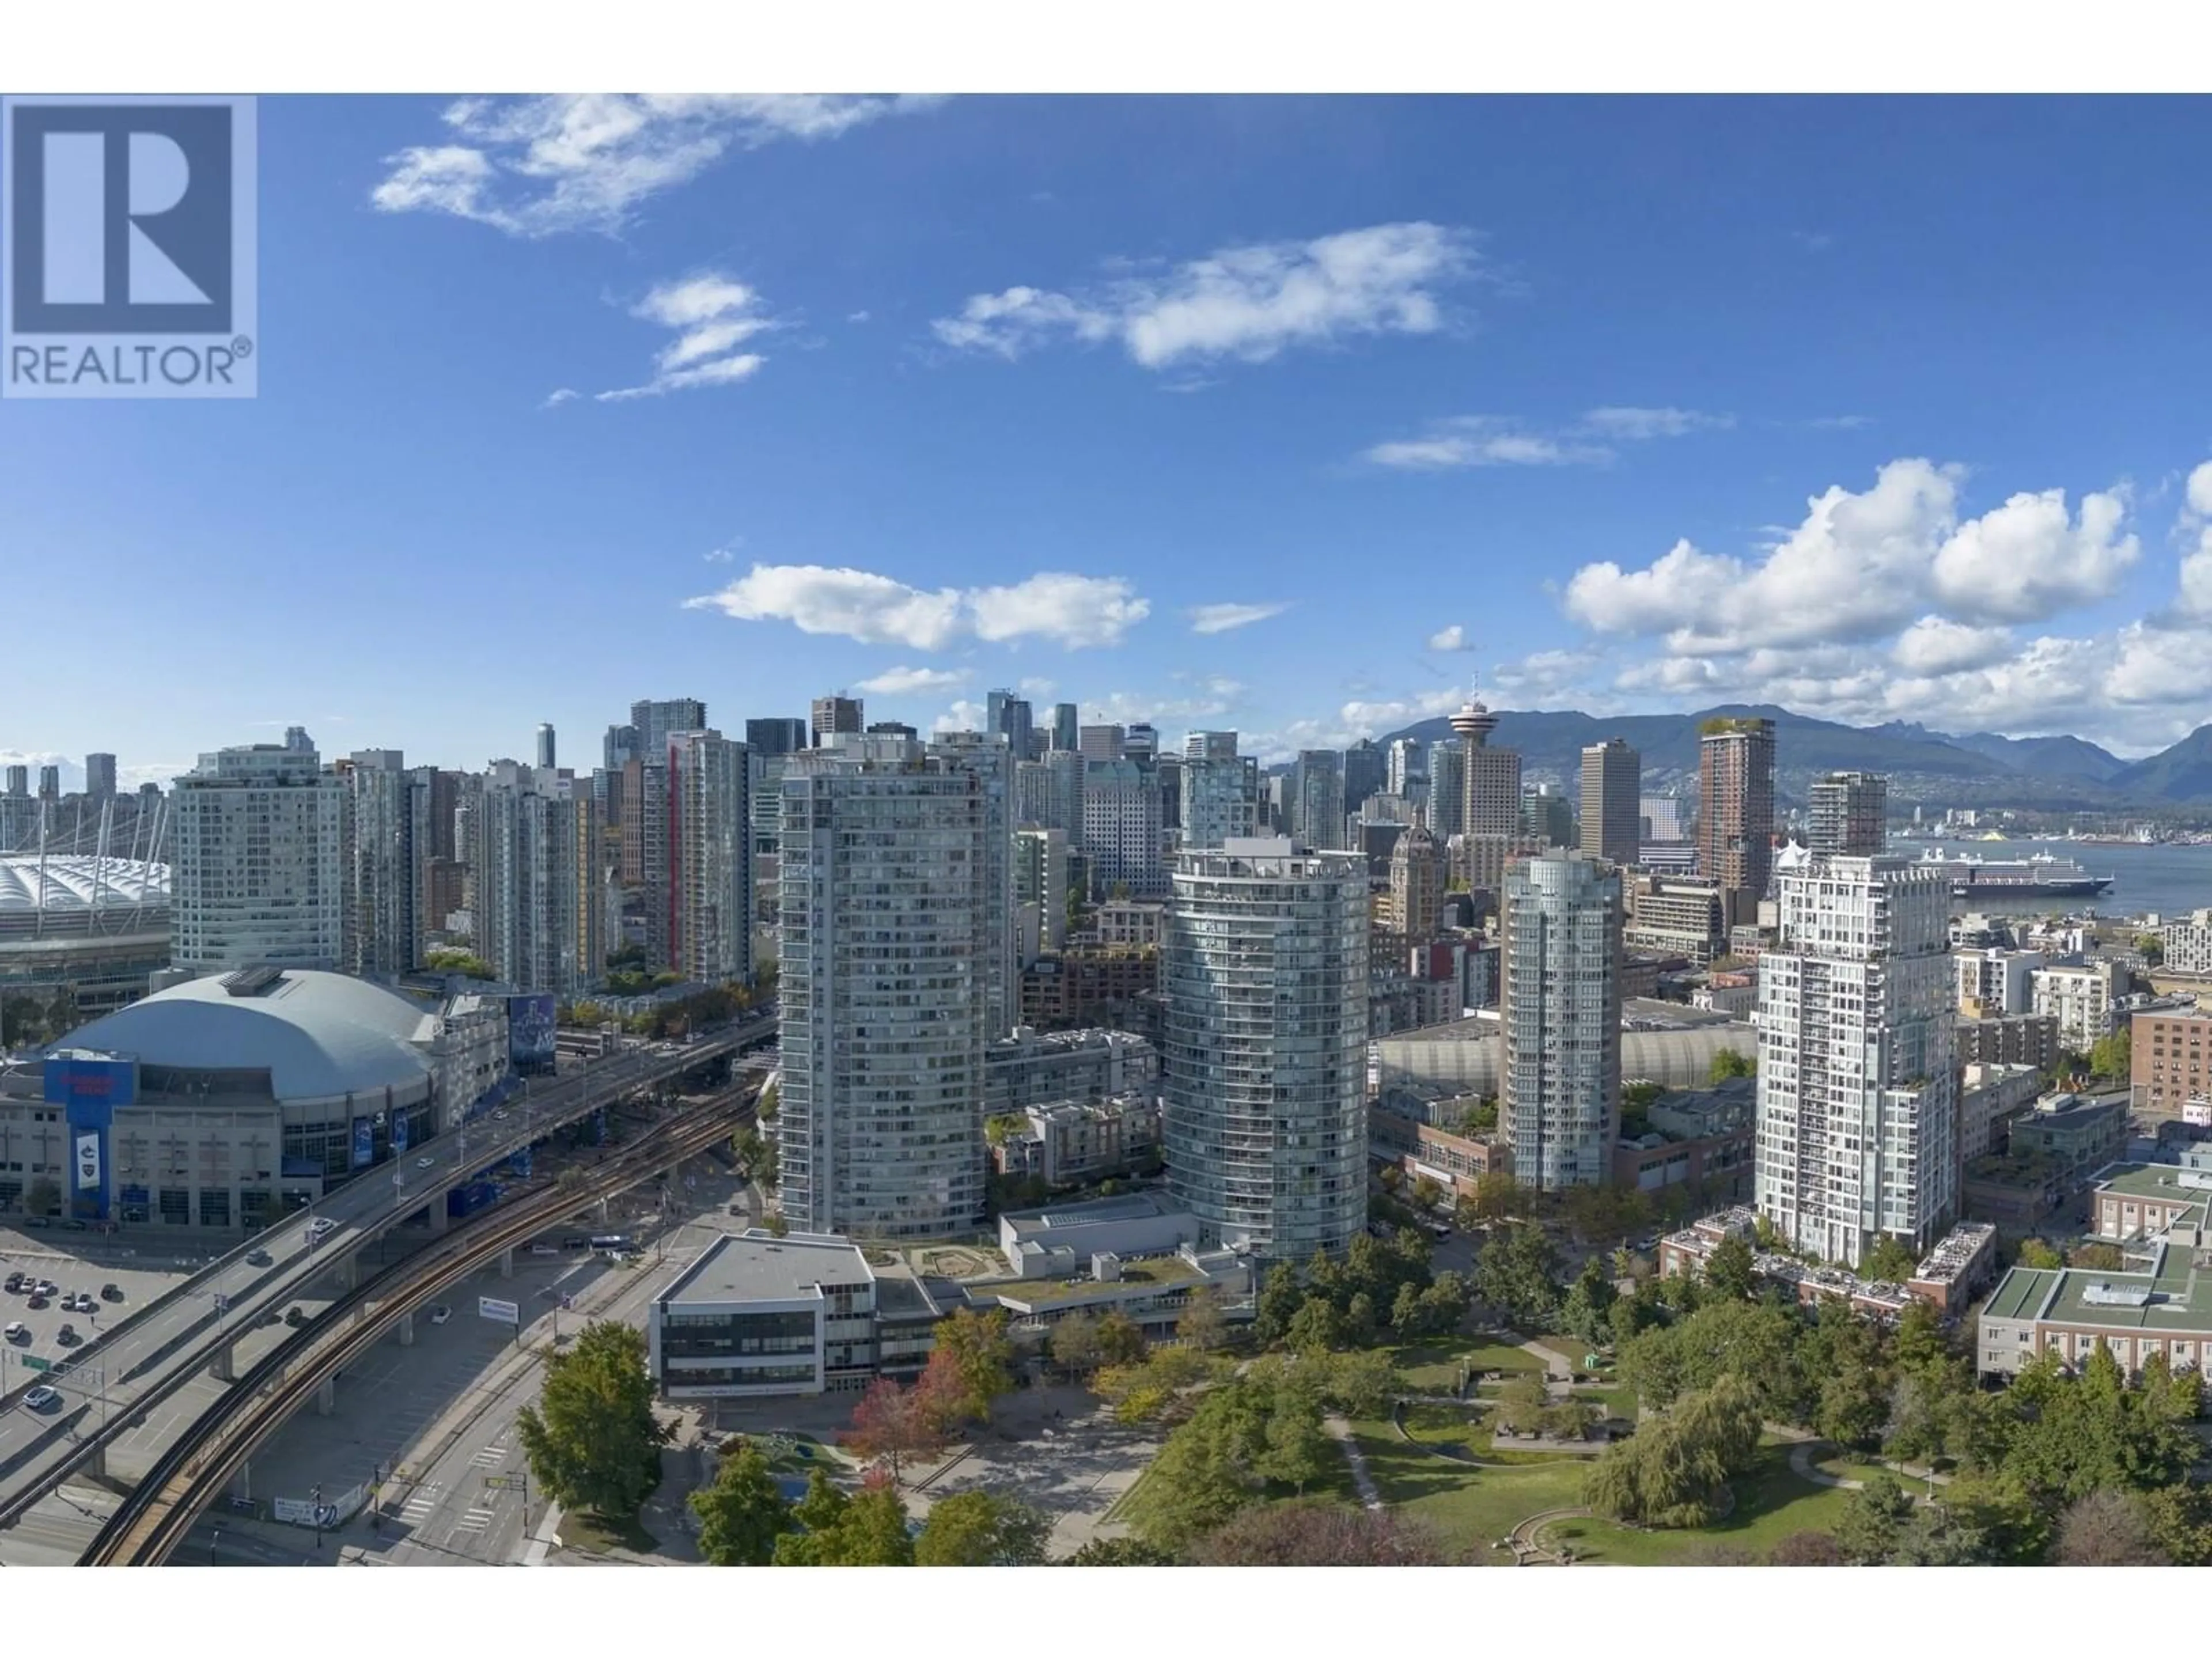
x,y
73,882
319,1035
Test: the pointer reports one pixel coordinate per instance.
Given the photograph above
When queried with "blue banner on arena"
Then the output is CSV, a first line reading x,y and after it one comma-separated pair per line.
x,y
531,1027
399,1133
364,1143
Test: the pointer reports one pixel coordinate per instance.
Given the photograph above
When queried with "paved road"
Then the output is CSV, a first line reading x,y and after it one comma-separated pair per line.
x,y
34,1449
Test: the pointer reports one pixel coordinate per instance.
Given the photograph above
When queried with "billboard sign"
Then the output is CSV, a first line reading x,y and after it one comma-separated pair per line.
x,y
531,1030
399,1133
87,1084
364,1143
504,1313
87,1162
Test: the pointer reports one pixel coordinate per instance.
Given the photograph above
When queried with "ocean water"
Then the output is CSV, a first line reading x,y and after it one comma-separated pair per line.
x,y
2170,880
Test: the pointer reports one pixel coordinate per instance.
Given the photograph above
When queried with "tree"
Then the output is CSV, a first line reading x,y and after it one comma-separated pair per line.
x,y
1497,1196
979,1529
777,1226
43,1196
1479,1119
1517,1272
1074,1343
1889,1262
1316,1327
592,1440
1200,1323
1752,1340
1731,1273
974,1355
1675,1472
1521,1404
998,1130
2110,1056
743,1514
1281,1295
1205,1471
895,1424
1359,1383
457,961
1428,1192
1729,1063
1121,1553
1296,1451
1319,1534
2036,1254
1874,1519
2099,1257
1808,1549
2151,948
867,1530
1120,1342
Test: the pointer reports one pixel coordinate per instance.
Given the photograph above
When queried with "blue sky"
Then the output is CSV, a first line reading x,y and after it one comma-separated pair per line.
x,y
1878,409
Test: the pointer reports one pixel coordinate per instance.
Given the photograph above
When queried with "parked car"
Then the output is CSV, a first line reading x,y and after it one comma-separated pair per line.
x,y
439,1314
42,1399
17,1332
36,1303
16,1282
67,1336
47,1287
542,1248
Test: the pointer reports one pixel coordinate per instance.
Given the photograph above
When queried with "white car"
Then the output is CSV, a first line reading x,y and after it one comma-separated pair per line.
x,y
17,1331
41,1399
441,1313
426,1162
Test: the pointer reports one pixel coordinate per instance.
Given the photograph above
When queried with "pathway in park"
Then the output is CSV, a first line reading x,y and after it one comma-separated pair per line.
x,y
1363,1482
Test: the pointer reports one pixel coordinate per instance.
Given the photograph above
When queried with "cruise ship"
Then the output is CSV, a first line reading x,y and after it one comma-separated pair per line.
x,y
2040,875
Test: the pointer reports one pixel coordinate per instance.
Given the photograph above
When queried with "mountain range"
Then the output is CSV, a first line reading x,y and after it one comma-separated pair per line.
x,y
1979,768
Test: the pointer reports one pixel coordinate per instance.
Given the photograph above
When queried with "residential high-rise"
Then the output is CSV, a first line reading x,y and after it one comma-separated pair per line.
x,y
100,776
1857,1093
1220,791
1099,742
1010,716
19,783
1265,971
833,715
545,747
1041,890
1447,790
1065,731
433,804
527,907
257,878
1365,769
709,859
297,740
378,864
1408,760
983,756
1735,810
1560,968
1612,825
889,913
1546,818
1121,829
49,782
1849,814
777,736
623,744
1316,799
1417,884
658,721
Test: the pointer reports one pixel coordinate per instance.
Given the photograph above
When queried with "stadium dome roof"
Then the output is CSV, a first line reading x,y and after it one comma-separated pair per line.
x,y
75,882
318,1035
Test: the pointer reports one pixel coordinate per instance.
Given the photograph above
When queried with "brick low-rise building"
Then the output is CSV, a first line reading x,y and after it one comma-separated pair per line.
x,y
2007,1040
2169,1060
1454,1162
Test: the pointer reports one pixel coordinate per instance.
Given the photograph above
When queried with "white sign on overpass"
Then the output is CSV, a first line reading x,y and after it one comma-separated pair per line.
x,y
506,1313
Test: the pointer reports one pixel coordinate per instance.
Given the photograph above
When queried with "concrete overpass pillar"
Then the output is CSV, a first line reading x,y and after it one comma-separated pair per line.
x,y
438,1217
224,1366
349,1272
326,1397
507,1262
97,1468
407,1329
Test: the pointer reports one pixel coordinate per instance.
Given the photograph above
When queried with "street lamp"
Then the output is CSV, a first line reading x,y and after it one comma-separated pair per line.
x,y
315,1501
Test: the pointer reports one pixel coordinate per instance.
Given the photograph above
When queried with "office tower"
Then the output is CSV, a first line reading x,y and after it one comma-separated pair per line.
x,y
1857,1103
49,783
1612,827
775,736
1041,890
1264,1079
623,744
1141,743
100,776
832,715
709,859
1099,742
1546,816
1121,829
1167,774
545,750
1365,770
527,906
1406,759
1559,963
436,872
1447,790
1064,732
891,729
658,721
1850,814
19,783
297,740
884,999
1009,716
1314,799
1735,810
1492,784
1220,791
256,878
1417,884
377,857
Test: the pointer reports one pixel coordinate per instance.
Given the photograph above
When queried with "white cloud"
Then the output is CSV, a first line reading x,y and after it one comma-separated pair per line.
x,y
559,395
1211,696
903,682
1936,645
1249,303
724,554
856,316
1359,718
965,715
538,167
713,316
2026,561
1450,639
1482,440
1034,688
1547,673
1220,619
878,609
1635,425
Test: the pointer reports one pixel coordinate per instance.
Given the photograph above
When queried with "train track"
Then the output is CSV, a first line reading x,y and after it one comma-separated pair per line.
x,y
154,1521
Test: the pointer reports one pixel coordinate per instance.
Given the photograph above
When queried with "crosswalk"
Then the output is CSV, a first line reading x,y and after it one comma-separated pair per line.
x,y
420,1502
474,1521
490,1458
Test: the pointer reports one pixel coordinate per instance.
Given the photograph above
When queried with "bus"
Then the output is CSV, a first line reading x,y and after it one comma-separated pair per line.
x,y
610,1242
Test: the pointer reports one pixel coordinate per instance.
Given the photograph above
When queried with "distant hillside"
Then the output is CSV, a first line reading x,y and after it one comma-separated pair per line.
x,y
1984,771
2180,775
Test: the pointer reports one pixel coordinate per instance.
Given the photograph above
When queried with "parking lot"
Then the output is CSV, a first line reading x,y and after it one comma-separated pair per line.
x,y
73,1267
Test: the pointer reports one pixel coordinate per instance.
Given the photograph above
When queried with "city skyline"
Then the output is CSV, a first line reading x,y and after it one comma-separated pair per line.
x,y
892,448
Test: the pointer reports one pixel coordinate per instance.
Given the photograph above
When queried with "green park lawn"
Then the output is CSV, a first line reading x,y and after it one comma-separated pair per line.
x,y
1433,1365
1471,1508
1772,1502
